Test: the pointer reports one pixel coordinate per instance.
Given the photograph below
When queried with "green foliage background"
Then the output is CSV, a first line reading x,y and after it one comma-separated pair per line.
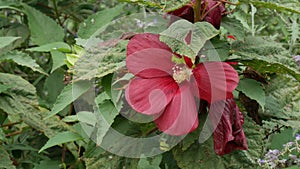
x,y
42,40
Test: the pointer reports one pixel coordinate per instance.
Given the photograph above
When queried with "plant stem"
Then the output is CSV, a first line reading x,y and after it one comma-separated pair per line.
x,y
197,8
56,12
214,7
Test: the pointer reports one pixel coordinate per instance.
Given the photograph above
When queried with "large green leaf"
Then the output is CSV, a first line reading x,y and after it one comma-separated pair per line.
x,y
61,138
97,22
175,37
5,161
22,59
253,90
43,29
69,94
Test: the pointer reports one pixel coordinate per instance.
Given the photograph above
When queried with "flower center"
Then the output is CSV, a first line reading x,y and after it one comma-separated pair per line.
x,y
181,74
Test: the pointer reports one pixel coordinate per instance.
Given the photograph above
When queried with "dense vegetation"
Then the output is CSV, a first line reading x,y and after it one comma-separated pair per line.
x,y
63,75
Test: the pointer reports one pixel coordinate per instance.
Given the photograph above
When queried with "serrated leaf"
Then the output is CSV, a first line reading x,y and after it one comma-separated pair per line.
x,y
265,56
279,7
253,90
69,94
38,23
283,99
20,99
5,161
61,138
60,46
97,22
98,62
175,37
6,40
22,59
96,158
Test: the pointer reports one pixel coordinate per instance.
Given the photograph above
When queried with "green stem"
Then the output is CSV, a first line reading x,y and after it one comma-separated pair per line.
x,y
56,12
197,8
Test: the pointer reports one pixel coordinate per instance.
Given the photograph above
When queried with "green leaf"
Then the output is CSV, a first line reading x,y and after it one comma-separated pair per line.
x,y
253,90
215,50
43,29
60,46
61,138
96,158
17,30
176,34
5,161
265,56
102,120
173,4
98,62
287,7
234,27
279,139
58,59
5,41
48,164
146,163
53,86
20,99
203,155
97,22
69,94
3,88
282,100
22,59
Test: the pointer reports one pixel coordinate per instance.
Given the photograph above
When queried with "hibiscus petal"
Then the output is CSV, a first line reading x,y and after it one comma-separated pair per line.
x,y
215,15
180,116
185,12
148,57
150,96
215,80
228,133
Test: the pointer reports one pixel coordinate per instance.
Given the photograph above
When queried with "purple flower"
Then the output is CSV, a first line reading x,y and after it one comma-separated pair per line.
x,y
298,135
297,59
262,161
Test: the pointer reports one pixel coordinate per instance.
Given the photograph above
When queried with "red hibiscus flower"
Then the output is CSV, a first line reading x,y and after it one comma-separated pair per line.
x,y
167,90
212,10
